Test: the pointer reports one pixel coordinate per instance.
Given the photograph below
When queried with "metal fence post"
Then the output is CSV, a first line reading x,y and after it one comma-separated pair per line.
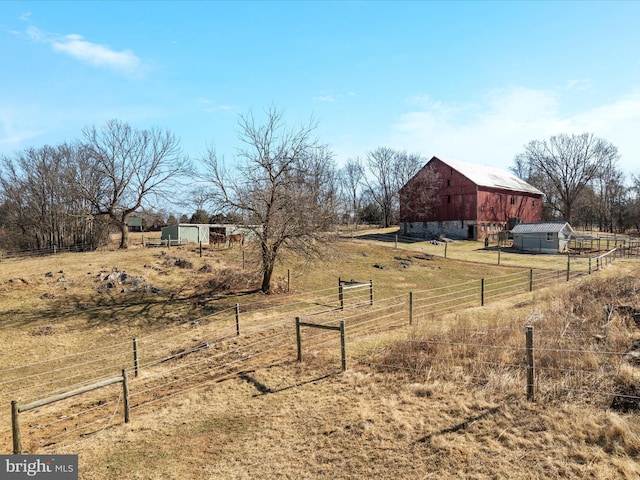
x,y
298,339
530,365
136,363
343,347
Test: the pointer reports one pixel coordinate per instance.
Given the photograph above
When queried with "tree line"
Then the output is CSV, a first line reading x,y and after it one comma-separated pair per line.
x,y
283,183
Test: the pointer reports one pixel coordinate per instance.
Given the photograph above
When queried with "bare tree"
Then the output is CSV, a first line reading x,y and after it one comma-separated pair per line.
x,y
42,209
389,171
129,168
564,165
418,196
351,181
284,185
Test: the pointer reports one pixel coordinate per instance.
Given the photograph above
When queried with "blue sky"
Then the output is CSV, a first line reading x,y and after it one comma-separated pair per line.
x,y
474,81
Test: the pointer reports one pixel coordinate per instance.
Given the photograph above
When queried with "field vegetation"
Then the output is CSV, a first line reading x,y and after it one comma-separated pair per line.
x,y
443,397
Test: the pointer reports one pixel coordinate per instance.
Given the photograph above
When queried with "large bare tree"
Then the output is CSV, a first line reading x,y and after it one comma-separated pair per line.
x,y
128,168
40,206
389,170
351,179
283,183
564,165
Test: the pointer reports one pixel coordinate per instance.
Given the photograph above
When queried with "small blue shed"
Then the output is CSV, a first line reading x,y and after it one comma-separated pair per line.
x,y
542,237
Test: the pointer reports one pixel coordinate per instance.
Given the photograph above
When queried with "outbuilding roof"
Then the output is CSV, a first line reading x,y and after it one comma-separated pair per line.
x,y
490,176
541,227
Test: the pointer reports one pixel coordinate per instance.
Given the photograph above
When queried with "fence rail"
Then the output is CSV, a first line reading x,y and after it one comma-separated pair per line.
x,y
224,343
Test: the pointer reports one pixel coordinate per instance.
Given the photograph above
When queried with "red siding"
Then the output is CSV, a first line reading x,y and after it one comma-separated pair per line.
x,y
496,205
461,199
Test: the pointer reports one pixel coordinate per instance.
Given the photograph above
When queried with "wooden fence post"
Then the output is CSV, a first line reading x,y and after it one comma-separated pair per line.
x,y
200,248
298,339
237,319
410,308
15,427
445,249
589,265
125,393
482,292
343,347
288,279
370,292
136,364
530,366
499,250
341,295
531,280
568,266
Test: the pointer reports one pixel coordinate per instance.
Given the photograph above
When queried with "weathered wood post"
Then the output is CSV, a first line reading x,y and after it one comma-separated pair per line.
x,y
531,279
343,347
445,249
370,292
568,266
288,279
200,248
589,265
341,294
237,319
410,308
136,364
298,339
499,250
125,393
15,427
482,292
530,366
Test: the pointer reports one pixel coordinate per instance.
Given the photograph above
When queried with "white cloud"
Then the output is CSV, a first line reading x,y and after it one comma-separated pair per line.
x,y
326,98
492,130
78,47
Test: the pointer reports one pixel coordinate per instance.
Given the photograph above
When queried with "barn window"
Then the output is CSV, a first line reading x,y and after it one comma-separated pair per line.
x,y
549,236
448,198
513,200
448,182
451,171
482,227
482,208
533,203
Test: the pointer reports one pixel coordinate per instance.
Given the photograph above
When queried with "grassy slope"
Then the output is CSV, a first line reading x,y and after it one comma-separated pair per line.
x,y
312,422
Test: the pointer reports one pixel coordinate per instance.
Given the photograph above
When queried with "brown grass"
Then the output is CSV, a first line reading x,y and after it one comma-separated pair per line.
x,y
423,402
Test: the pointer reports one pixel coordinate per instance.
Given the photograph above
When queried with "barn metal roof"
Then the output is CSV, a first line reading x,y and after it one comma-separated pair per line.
x,y
541,227
490,176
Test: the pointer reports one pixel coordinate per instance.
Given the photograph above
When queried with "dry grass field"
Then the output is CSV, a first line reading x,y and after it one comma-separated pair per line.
x,y
442,398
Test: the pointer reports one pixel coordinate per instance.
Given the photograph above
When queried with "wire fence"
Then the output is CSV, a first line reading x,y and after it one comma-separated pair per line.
x,y
571,362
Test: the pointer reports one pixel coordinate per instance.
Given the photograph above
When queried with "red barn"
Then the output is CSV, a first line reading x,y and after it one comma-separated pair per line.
x,y
467,201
